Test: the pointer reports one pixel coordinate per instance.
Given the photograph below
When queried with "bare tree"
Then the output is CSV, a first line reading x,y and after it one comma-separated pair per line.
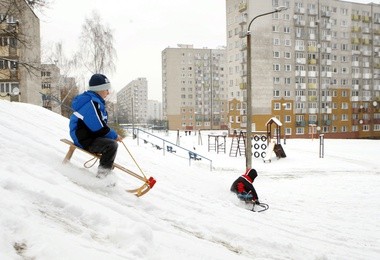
x,y
38,4
68,79
97,52
11,12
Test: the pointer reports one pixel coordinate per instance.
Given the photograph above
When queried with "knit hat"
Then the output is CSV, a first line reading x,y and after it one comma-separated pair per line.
x,y
252,174
99,82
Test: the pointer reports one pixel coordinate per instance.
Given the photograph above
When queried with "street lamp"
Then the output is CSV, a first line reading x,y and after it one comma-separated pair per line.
x,y
248,153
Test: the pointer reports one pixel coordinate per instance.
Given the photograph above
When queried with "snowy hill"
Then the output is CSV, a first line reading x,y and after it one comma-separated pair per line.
x,y
319,208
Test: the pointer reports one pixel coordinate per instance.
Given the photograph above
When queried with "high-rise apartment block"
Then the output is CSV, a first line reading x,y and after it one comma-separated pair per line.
x,y
50,89
154,110
315,66
19,52
132,102
194,88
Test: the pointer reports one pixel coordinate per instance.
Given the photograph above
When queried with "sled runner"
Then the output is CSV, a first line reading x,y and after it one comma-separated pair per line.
x,y
262,207
148,182
257,207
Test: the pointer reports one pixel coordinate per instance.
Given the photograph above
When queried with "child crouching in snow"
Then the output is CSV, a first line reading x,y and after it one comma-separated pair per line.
x,y
243,187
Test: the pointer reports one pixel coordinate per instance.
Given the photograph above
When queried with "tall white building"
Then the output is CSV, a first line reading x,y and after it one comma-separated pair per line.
x,y
194,88
154,110
315,66
132,102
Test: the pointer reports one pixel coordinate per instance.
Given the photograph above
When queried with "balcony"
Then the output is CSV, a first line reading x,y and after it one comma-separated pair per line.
x,y
326,38
313,99
312,49
326,110
301,73
312,110
366,19
243,85
326,14
355,40
242,7
300,85
355,99
300,23
365,41
301,99
355,17
312,11
299,10
366,30
356,29
243,20
301,60
326,122
327,74
301,123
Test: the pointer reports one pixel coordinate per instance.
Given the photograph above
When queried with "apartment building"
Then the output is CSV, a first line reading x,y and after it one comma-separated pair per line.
x,y
154,110
50,91
315,66
132,102
194,88
19,53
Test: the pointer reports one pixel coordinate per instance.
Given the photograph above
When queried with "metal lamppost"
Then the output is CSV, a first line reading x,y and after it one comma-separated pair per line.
x,y
248,152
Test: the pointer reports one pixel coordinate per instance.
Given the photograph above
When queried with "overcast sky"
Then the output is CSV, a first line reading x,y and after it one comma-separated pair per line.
x,y
142,30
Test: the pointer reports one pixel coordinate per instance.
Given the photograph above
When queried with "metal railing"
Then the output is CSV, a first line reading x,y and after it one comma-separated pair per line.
x,y
164,145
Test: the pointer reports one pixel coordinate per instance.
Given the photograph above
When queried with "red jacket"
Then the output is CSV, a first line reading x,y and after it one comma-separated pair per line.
x,y
244,183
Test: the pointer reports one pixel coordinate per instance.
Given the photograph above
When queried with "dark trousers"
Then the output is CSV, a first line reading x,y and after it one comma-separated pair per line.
x,y
108,148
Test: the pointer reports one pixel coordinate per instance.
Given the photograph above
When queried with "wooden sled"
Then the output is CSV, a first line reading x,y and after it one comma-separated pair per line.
x,y
148,182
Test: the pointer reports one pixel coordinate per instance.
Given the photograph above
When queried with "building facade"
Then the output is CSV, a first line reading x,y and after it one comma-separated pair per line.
x,y
194,88
132,102
20,57
154,110
315,66
50,89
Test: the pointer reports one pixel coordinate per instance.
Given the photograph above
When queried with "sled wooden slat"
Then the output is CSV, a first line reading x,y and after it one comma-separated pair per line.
x,y
138,192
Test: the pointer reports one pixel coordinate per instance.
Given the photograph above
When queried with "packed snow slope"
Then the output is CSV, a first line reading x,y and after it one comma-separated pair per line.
x,y
320,208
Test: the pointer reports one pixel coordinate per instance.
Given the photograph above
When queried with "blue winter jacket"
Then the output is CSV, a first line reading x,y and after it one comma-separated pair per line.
x,y
89,119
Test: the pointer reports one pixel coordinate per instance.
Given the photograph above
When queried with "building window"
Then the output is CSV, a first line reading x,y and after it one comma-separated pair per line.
x,y
300,130
276,54
288,42
276,80
275,28
365,128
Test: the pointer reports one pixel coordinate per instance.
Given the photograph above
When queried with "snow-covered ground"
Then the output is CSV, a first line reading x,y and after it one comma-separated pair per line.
x,y
320,208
